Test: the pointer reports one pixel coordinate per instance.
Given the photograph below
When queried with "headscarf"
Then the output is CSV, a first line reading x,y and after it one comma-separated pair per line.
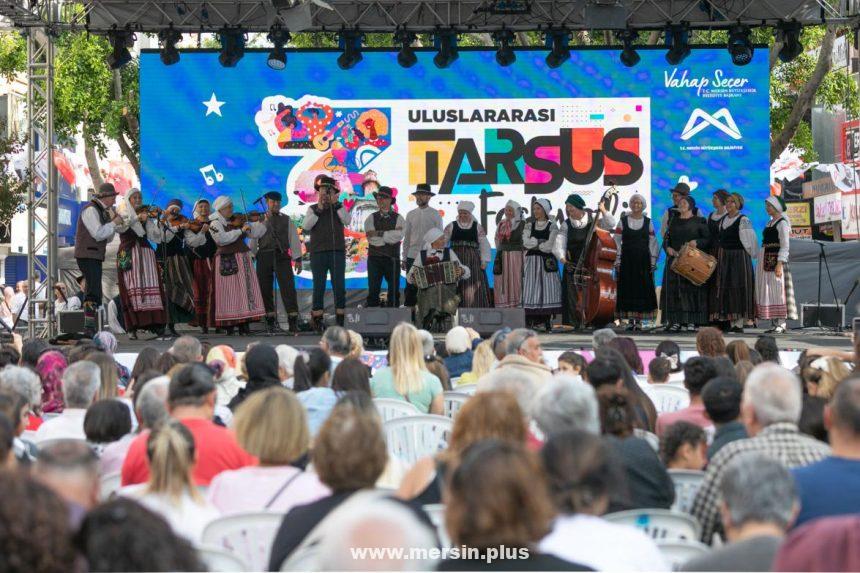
x,y
124,208
105,341
827,544
466,206
226,356
430,236
197,204
506,226
777,203
262,364
50,368
546,206
221,202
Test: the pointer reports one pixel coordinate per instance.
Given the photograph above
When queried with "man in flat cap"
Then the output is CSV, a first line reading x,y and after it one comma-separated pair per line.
x,y
418,222
384,230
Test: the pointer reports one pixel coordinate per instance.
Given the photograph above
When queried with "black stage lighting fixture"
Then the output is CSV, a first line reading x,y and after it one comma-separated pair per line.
x,y
121,41
505,55
446,42
232,46
739,45
557,41
169,52
350,43
406,56
677,40
789,34
279,37
629,56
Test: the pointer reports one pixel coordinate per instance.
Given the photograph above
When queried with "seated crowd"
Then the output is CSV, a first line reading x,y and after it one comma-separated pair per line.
x,y
538,461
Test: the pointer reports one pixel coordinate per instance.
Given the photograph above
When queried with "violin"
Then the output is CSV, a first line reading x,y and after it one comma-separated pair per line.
x,y
196,225
239,220
593,280
151,210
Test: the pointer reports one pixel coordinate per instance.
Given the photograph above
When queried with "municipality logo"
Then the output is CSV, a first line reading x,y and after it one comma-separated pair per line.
x,y
701,119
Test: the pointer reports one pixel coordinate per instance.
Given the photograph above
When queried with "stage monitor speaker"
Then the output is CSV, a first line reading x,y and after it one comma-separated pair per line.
x,y
376,321
71,321
832,315
486,321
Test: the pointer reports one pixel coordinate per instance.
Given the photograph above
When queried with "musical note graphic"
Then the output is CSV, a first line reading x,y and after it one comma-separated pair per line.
x,y
210,180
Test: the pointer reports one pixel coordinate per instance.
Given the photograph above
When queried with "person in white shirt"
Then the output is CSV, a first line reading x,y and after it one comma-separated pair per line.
x,y
63,301
81,382
20,298
418,222
384,230
733,294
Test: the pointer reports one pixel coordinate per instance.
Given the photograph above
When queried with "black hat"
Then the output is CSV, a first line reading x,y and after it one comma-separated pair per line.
x,y
273,196
423,188
106,190
681,188
384,192
324,180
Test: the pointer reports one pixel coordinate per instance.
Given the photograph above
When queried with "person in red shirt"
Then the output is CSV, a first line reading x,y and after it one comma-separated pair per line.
x,y
191,400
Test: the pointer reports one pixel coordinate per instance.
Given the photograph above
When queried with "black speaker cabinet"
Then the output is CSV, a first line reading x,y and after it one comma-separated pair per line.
x,y
71,321
376,321
832,315
486,321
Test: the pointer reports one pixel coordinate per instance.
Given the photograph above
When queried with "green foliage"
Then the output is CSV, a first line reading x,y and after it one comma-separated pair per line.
x,y
13,54
13,189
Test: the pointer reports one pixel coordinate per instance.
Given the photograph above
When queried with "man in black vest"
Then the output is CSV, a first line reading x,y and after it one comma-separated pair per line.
x,y
384,230
325,222
96,228
278,251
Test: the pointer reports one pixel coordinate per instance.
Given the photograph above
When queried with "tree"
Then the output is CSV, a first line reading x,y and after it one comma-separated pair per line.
x,y
13,188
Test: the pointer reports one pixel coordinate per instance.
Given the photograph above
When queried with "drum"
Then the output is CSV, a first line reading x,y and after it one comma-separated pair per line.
x,y
435,273
694,265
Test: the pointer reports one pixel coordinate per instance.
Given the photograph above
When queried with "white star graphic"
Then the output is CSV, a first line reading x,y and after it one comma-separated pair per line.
x,y
338,113
213,105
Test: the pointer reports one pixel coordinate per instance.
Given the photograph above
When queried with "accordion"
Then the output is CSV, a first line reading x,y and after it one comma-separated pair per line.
x,y
435,274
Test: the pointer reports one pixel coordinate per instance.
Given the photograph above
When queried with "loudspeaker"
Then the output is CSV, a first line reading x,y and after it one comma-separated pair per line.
x,y
71,321
376,321
832,315
486,321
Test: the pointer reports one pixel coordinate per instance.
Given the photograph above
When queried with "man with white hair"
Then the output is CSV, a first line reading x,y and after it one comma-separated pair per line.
x,y
25,383
524,354
81,382
336,343
187,349
566,403
770,411
601,336
519,384
286,362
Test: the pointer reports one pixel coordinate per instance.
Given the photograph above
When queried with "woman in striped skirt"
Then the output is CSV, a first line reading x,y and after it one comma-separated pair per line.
x,y
734,286
469,242
237,300
541,281
508,267
774,289
140,288
201,249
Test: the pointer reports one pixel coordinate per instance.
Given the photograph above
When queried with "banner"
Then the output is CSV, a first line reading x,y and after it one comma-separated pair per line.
x,y
827,208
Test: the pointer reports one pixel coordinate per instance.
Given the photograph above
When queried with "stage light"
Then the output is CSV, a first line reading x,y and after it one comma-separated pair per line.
x,y
278,56
232,46
739,45
789,34
629,56
557,41
169,52
446,43
350,43
121,41
505,55
406,56
677,40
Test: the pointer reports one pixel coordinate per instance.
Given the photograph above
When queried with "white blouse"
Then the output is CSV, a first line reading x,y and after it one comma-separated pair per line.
x,y
547,246
225,236
746,233
607,223
784,230
153,230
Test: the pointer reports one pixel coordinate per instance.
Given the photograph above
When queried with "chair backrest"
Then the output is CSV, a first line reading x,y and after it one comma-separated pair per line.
x,y
652,439
668,397
436,513
391,408
659,524
414,437
249,536
109,484
676,553
454,401
687,484
217,559
469,389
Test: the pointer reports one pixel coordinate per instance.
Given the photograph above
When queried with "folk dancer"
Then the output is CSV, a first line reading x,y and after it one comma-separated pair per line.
x,y
200,248
178,276
508,265
141,290
734,287
570,243
418,222
237,300
636,262
683,303
773,286
680,190
437,302
384,230
469,241
718,200
96,228
541,281
325,221
278,252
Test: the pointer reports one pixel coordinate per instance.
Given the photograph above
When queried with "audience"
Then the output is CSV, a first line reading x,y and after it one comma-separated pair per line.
x,y
458,345
286,363
722,399
524,354
513,381
311,382
499,340
827,544
109,380
223,360
25,383
187,349
336,343
351,375
31,350
670,350
823,375
646,413
106,342
14,409
106,422
50,367
698,371
628,349
70,469
482,362
166,362
81,383
710,342
8,461
684,447
565,404
572,363
659,370
261,362
600,337
406,377
742,371
766,346
147,359
737,350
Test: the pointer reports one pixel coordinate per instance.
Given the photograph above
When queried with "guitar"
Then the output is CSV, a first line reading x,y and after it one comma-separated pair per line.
x,y
323,141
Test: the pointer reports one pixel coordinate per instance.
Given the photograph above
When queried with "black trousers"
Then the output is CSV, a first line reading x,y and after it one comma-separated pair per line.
x,y
92,271
410,293
270,265
379,268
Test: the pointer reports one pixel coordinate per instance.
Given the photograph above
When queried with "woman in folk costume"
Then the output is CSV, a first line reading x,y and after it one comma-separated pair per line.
x,y
508,266
718,200
733,294
140,287
201,248
437,302
469,241
636,261
237,300
773,286
541,281
178,279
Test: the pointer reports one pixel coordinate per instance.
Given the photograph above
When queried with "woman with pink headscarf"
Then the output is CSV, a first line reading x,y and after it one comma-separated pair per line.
x,y
50,368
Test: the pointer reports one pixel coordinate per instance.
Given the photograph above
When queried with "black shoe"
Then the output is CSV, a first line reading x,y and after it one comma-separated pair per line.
x,y
229,330
317,324
244,329
341,319
204,330
172,329
293,324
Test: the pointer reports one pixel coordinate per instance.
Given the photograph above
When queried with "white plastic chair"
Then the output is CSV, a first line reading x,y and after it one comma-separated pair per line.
x,y
669,398
469,389
109,484
436,513
659,524
390,408
217,559
454,400
677,553
414,437
687,484
652,439
248,536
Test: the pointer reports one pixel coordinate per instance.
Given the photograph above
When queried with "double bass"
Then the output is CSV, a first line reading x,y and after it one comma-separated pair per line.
x,y
595,285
